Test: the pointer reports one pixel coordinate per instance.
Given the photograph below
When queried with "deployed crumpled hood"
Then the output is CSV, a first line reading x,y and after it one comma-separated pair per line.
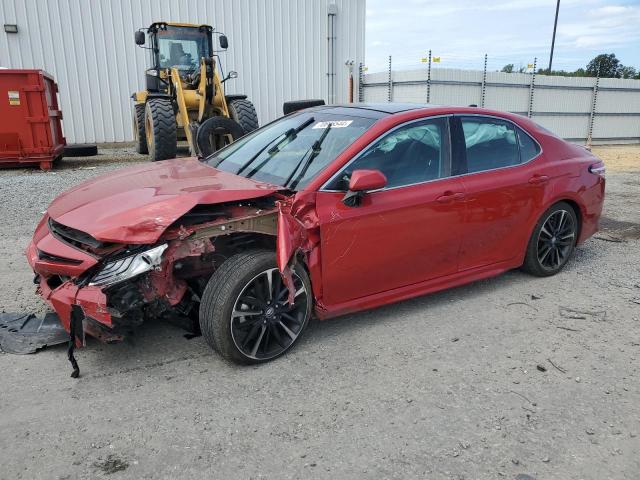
x,y
135,205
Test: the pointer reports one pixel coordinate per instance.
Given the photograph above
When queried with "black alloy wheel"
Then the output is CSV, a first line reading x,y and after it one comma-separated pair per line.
x,y
263,324
553,241
556,239
244,311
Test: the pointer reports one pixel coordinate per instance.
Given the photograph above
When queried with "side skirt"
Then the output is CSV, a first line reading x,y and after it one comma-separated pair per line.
x,y
415,290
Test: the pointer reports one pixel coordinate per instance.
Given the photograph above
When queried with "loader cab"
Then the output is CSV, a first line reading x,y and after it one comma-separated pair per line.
x,y
174,45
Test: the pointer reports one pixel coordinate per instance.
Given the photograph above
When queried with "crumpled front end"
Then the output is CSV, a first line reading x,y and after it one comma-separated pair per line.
x,y
113,287
63,263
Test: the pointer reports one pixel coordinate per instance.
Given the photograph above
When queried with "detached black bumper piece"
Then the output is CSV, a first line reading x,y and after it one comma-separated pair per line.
x,y
26,333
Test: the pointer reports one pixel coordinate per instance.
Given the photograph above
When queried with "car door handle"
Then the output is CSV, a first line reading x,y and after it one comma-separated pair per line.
x,y
538,179
450,197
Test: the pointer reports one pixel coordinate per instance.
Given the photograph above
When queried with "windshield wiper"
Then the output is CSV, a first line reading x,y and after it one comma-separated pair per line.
x,y
313,152
286,136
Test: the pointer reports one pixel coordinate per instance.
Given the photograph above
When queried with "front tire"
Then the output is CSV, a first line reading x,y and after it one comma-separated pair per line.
x,y
160,129
243,312
552,242
139,135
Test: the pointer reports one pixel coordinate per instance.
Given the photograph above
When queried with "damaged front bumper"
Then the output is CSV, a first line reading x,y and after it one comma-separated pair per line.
x,y
76,279
62,294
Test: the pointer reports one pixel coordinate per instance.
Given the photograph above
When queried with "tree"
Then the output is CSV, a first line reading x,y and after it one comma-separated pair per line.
x,y
628,72
607,64
507,68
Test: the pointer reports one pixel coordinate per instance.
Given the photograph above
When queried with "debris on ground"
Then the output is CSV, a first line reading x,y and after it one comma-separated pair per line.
x,y
524,476
22,333
608,238
560,369
522,303
575,314
111,465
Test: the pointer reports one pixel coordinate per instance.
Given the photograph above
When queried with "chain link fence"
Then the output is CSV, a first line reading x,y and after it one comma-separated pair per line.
x,y
580,109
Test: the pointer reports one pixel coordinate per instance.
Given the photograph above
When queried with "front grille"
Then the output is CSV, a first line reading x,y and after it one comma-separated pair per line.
x,y
54,258
75,237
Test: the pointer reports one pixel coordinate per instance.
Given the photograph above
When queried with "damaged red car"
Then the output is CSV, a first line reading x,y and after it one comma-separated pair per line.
x,y
323,212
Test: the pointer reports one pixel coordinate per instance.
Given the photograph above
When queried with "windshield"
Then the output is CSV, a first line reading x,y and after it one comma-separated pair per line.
x,y
182,47
291,151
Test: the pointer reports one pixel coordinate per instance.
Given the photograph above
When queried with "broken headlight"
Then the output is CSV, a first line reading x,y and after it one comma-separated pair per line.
x,y
128,267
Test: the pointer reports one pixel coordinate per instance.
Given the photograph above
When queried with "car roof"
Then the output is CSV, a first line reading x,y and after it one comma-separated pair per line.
x,y
368,110
401,111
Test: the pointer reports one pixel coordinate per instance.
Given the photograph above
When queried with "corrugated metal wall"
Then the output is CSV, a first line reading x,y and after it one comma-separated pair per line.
x,y
278,47
561,104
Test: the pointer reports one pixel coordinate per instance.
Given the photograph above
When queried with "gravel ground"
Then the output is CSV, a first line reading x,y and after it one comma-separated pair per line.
x,y
441,386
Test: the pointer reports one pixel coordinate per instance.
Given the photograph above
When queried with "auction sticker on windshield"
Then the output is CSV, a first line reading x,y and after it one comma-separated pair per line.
x,y
334,124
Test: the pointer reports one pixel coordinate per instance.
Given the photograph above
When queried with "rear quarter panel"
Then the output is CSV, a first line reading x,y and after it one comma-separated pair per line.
x,y
567,166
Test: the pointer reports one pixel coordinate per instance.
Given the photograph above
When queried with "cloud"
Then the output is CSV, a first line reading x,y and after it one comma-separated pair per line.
x,y
603,27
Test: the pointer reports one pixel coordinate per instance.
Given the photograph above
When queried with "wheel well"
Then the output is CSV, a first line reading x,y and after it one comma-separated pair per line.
x,y
237,242
198,269
576,210
231,244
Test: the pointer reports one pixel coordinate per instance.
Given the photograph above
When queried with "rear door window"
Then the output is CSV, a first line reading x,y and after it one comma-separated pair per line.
x,y
490,143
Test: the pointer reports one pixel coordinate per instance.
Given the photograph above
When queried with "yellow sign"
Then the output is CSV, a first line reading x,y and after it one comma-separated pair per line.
x,y
436,60
14,97
424,59
529,65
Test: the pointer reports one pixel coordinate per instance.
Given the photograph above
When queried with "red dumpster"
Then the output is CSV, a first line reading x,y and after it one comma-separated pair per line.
x,y
30,120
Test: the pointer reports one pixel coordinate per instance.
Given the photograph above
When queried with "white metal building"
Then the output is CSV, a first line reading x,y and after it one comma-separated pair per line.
x,y
281,49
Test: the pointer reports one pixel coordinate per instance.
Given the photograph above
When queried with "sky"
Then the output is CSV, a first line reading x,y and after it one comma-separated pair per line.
x,y
460,32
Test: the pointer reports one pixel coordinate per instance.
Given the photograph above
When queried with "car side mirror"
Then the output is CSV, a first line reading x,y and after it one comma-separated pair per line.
x,y
224,42
363,181
139,37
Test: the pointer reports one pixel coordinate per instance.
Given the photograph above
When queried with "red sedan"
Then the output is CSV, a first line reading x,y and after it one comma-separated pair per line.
x,y
323,212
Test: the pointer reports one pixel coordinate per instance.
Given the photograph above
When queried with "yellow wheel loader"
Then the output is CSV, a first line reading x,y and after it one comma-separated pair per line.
x,y
184,97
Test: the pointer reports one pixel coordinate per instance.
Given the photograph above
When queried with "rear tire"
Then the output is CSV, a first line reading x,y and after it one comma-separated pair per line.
x,y
139,135
295,105
213,134
80,150
244,113
250,282
160,129
552,242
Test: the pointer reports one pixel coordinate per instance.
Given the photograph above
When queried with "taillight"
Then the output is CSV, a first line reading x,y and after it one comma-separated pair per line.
x,y
598,169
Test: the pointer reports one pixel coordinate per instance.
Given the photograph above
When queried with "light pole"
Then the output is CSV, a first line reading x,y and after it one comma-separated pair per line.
x,y
553,39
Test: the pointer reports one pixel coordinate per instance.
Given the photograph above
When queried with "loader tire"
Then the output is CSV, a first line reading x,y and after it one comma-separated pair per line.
x,y
138,129
244,113
214,134
295,105
80,150
160,129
